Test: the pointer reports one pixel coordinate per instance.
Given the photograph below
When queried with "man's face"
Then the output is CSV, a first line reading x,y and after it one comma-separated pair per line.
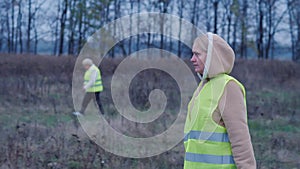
x,y
198,59
86,67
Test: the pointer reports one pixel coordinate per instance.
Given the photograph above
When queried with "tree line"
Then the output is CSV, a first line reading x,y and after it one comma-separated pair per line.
x,y
66,24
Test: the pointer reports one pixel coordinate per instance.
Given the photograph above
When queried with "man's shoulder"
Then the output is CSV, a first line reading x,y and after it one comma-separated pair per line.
x,y
94,68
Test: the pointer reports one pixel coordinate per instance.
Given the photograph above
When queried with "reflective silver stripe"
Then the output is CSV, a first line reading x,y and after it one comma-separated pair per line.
x,y
211,136
205,158
95,81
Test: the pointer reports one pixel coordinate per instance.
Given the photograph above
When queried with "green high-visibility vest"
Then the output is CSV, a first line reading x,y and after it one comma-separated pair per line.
x,y
97,87
206,143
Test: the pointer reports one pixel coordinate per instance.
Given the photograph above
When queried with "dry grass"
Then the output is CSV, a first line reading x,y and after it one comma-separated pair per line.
x,y
35,103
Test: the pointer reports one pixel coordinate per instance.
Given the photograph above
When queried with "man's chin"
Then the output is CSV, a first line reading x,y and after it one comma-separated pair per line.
x,y
198,71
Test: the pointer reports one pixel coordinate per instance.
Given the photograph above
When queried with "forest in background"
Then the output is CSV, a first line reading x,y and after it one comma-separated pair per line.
x,y
62,27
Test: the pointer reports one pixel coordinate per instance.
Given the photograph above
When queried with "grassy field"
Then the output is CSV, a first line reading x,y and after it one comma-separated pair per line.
x,y
38,130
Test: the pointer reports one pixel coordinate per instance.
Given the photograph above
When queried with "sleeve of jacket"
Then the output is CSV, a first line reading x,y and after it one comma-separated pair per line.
x,y
233,112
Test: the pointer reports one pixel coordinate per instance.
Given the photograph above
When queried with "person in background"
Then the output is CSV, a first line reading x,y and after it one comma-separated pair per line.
x,y
92,86
216,130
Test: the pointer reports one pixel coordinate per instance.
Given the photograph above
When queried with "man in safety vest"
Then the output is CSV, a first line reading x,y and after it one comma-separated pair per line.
x,y
216,129
92,86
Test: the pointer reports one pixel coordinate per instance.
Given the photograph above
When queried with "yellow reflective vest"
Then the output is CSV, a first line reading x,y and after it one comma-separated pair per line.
x,y
206,143
97,87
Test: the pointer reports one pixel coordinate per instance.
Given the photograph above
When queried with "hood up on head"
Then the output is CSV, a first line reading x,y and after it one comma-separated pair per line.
x,y
220,56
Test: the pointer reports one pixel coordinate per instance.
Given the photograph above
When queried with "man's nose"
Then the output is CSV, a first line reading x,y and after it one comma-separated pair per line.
x,y
193,58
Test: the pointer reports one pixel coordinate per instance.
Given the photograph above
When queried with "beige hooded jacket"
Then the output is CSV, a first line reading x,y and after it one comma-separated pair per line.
x,y
231,112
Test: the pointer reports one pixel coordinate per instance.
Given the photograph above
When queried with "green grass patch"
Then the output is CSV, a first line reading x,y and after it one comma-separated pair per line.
x,y
49,120
267,126
276,96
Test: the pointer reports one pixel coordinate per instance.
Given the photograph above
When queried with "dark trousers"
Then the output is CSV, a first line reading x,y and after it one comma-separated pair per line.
x,y
95,96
